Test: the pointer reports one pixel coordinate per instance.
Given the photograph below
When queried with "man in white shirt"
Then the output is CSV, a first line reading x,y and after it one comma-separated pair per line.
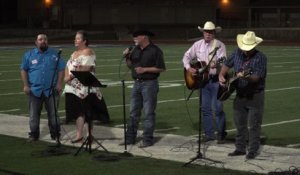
x,y
208,51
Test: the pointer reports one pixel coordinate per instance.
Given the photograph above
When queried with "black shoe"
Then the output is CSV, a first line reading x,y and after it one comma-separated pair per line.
x,y
251,155
221,139
237,153
145,145
53,137
32,139
127,143
207,139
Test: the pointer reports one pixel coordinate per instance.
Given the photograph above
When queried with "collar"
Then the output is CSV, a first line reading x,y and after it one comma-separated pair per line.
x,y
36,50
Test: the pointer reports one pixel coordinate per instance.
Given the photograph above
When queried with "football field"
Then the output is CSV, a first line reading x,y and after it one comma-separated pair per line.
x,y
175,115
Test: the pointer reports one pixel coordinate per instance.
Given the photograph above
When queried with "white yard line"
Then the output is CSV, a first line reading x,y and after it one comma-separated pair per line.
x,y
13,93
273,124
172,100
18,79
10,110
293,145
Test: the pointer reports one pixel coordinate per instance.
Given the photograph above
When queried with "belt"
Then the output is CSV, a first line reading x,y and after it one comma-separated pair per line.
x,y
144,79
249,94
213,77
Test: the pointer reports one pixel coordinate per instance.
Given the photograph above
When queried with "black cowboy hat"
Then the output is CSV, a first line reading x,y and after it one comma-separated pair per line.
x,y
142,33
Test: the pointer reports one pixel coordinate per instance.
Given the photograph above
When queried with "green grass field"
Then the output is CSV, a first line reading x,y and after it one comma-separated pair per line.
x,y
281,118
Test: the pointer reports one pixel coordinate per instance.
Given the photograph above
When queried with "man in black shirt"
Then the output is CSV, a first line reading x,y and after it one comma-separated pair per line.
x,y
146,62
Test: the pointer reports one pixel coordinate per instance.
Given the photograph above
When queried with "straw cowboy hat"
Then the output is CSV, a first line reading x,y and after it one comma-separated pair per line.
x,y
210,26
248,41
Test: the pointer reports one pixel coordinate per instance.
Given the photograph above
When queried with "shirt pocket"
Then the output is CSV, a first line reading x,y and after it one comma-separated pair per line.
x,y
201,54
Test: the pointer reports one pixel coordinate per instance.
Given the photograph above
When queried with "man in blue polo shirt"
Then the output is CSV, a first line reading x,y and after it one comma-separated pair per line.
x,y
42,73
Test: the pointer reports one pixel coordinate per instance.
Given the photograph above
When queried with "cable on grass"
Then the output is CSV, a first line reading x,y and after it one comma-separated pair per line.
x,y
291,171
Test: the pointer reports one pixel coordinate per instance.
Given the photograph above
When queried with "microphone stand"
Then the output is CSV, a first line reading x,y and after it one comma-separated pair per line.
x,y
55,148
53,91
125,153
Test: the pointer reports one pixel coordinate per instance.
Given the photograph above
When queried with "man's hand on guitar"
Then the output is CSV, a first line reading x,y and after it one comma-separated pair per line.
x,y
192,71
240,74
222,80
213,64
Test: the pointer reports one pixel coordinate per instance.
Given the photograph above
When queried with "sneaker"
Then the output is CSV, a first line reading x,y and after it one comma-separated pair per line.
x,y
237,153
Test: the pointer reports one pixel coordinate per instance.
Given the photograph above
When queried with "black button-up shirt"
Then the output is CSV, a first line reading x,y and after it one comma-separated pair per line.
x,y
150,56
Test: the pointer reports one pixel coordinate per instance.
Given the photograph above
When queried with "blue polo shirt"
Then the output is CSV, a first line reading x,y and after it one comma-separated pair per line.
x,y
40,67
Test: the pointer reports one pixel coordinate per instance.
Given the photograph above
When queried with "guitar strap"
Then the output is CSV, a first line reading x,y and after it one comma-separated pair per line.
x,y
212,48
212,53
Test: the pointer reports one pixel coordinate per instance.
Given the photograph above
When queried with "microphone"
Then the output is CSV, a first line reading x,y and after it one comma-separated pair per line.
x,y
57,57
129,51
215,50
59,53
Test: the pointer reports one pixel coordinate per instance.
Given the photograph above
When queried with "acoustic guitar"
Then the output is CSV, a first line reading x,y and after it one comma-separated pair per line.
x,y
225,92
201,77
197,80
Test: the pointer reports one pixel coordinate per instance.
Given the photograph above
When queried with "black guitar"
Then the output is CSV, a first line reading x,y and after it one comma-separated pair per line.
x,y
225,92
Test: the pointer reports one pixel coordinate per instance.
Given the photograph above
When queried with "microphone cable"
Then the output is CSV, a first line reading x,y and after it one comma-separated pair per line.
x,y
192,123
121,63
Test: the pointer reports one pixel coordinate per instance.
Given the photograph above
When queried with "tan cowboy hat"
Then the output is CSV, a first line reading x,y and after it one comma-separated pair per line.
x,y
248,41
210,26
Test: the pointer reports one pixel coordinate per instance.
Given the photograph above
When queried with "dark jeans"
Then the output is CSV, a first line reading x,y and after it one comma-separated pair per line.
x,y
35,108
248,110
143,96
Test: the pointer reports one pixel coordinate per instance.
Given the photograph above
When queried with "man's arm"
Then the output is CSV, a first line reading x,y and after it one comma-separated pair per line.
x,y
24,77
223,72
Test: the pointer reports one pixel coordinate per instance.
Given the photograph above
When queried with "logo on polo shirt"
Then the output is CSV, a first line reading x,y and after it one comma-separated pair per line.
x,y
35,61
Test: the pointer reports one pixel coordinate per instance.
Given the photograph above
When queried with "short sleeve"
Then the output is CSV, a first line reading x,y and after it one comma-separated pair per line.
x,y
89,60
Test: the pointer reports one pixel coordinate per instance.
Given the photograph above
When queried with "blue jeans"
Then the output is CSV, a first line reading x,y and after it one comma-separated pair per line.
x,y
213,117
35,108
143,96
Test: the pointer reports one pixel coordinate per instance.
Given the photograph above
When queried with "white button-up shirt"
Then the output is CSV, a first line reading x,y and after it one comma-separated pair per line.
x,y
201,50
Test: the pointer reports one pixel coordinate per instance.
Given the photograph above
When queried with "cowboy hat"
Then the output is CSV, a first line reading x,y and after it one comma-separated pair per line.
x,y
142,33
248,41
210,26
